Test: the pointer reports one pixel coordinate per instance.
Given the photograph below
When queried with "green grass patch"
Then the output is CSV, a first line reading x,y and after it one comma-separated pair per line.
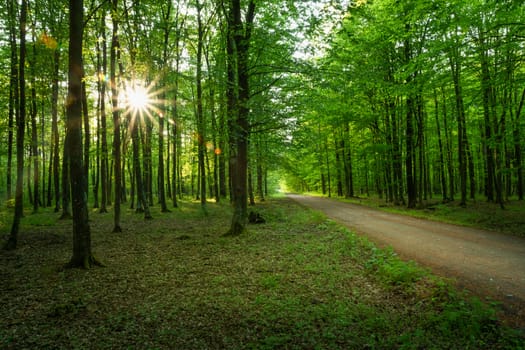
x,y
479,213
299,281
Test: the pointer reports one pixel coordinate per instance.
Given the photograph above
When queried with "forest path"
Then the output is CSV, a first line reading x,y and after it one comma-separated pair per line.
x,y
487,264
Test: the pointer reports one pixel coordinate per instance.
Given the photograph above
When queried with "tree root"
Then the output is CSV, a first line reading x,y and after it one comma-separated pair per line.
x,y
84,263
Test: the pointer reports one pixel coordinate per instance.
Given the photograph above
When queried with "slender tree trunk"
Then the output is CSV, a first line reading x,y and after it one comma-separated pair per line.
x,y
20,133
260,171
441,153
389,162
34,133
199,111
54,128
338,162
142,203
411,181
223,190
162,190
117,170
161,170
176,179
347,158
251,195
327,162
13,107
104,162
87,133
518,153
455,68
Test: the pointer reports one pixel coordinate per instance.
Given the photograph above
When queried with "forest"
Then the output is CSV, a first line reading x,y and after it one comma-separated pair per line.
x,y
117,110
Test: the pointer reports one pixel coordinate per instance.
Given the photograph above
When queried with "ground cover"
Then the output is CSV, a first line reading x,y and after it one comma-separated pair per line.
x,y
299,281
479,213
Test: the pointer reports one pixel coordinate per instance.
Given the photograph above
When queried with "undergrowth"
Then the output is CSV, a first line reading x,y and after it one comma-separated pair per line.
x,y
478,213
299,281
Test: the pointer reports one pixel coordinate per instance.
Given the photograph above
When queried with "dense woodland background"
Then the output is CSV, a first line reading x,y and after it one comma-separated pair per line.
x,y
408,100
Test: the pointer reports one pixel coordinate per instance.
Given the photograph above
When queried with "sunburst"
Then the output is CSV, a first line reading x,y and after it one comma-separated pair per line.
x,y
142,101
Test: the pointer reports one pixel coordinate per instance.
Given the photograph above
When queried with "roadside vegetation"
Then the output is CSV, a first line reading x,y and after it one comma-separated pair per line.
x,y
479,213
298,281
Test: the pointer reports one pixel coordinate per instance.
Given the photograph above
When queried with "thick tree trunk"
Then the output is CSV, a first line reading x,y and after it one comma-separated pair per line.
x,y
82,256
239,36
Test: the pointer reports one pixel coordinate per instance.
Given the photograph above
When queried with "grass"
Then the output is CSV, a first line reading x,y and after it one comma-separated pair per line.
x,y
299,281
478,213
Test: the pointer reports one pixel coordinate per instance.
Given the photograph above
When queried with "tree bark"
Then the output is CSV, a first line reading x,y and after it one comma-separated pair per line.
x,y
13,108
441,164
201,132
142,203
82,256
117,170
104,164
239,36
20,132
34,132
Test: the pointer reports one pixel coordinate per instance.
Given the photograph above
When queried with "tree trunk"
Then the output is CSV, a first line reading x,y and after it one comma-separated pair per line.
x,y
338,162
13,108
409,160
250,186
518,154
20,132
239,36
441,164
327,162
117,170
104,161
34,132
87,133
82,256
222,157
201,133
142,203
161,170
347,159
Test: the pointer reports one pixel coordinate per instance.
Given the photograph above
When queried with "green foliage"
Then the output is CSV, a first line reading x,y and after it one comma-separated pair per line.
x,y
385,264
298,281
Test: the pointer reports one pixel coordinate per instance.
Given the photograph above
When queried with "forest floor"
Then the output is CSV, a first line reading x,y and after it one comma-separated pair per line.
x,y
487,263
298,281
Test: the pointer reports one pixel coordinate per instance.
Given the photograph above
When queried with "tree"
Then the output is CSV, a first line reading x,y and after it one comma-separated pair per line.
x,y
20,132
82,255
117,168
238,95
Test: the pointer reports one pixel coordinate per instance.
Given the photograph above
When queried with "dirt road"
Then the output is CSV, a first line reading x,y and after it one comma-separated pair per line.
x,y
486,263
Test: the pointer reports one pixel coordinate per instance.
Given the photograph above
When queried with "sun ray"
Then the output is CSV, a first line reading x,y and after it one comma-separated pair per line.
x,y
141,101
